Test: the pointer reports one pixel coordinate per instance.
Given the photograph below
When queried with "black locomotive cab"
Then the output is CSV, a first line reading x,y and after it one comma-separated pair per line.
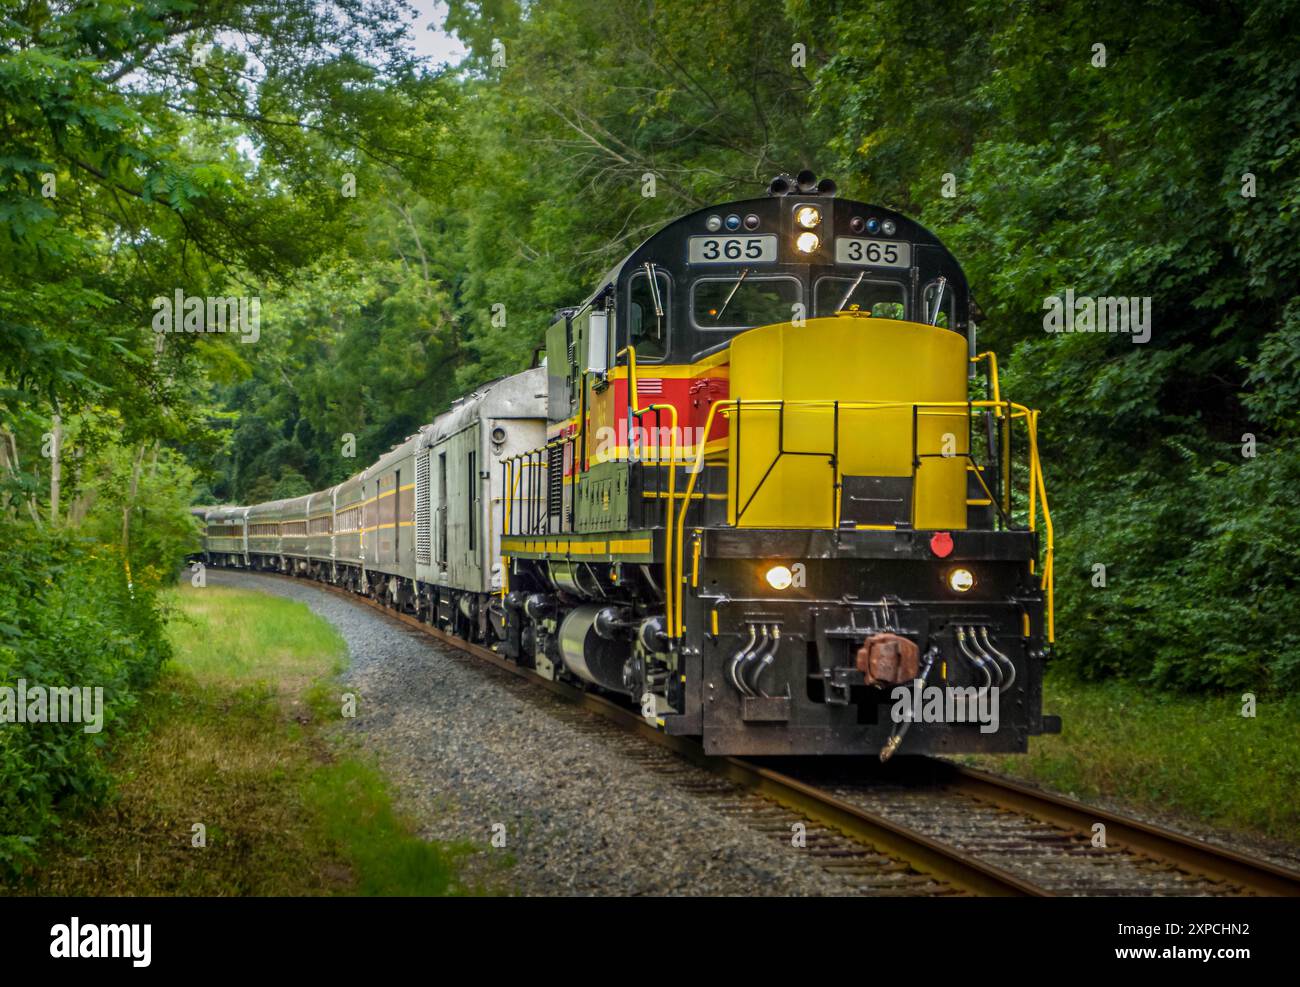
x,y
799,253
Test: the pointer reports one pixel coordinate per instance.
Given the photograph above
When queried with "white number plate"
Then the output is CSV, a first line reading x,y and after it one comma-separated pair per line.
x,y
873,253
733,250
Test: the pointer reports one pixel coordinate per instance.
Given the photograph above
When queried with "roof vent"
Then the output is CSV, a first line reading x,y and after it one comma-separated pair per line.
x,y
804,183
780,185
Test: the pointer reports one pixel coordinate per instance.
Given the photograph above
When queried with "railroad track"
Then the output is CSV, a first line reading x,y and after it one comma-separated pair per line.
x,y
936,829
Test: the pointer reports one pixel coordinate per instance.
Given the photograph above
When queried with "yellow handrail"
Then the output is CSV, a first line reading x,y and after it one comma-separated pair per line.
x,y
1049,571
668,508
993,374
1037,482
634,402
631,373
522,459
523,465
675,624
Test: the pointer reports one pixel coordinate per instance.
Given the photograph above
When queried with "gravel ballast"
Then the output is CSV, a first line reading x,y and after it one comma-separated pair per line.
x,y
585,808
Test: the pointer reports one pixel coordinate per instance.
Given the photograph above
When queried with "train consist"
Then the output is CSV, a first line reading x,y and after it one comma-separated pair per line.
x,y
749,490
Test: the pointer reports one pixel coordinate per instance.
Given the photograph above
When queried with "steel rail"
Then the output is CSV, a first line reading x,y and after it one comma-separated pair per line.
x,y
1148,839
946,863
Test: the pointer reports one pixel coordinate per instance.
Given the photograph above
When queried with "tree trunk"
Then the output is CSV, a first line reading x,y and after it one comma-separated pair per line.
x,y
56,467
130,499
7,467
80,506
11,462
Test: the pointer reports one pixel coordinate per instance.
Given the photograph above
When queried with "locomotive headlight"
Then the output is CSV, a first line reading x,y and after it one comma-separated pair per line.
x,y
806,243
808,216
779,577
961,580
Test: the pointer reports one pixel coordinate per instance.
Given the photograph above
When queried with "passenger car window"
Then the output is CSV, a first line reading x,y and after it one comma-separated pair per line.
x,y
646,331
881,299
744,302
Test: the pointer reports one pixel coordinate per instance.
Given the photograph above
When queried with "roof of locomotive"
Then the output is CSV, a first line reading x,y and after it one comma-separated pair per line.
x,y
768,209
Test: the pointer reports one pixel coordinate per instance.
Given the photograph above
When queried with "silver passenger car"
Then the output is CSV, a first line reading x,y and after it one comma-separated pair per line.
x,y
421,527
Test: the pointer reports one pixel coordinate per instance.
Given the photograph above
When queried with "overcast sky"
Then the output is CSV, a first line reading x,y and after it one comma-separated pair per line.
x,y
429,40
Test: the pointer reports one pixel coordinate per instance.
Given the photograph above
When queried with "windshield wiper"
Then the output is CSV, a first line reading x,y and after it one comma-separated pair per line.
x,y
732,294
852,288
938,301
652,273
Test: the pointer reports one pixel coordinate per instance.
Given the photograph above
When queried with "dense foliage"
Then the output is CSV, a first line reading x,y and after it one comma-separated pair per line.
x,y
141,156
67,620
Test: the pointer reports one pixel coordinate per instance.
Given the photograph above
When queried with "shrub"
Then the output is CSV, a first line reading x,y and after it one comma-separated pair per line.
x,y
67,618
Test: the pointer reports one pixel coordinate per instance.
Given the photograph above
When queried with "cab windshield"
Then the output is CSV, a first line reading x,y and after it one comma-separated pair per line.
x,y
744,301
880,299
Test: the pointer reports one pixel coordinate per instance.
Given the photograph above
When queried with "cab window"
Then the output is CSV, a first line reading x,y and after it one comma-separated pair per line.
x,y
880,299
742,302
647,330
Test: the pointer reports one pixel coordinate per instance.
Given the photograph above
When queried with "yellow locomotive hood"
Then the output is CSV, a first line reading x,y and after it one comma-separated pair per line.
x,y
842,397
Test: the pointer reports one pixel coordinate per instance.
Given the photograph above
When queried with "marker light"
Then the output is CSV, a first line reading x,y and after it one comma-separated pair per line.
x,y
808,216
806,243
779,577
888,227
873,225
733,222
714,223
961,580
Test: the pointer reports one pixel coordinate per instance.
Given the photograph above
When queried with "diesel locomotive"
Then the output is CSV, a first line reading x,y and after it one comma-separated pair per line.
x,y
762,483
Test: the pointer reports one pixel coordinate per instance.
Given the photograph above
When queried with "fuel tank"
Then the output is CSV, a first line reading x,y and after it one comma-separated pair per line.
x,y
593,657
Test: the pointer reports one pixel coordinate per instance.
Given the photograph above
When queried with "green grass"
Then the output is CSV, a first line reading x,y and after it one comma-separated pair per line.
x,y
1191,756
229,637
236,737
352,802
